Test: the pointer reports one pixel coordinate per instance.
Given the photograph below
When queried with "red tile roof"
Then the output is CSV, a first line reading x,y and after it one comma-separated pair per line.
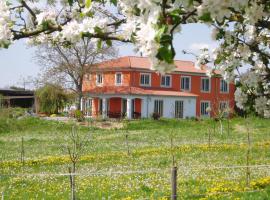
x,y
138,91
136,62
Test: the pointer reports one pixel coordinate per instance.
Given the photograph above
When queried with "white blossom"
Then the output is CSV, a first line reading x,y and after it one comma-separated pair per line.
x,y
5,23
240,98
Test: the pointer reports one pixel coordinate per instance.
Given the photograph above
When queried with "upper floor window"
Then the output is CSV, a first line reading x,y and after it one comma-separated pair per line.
x,y
145,79
166,81
99,80
118,79
224,86
205,84
185,83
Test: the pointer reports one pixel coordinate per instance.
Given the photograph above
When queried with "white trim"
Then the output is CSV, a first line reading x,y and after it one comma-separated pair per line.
x,y
228,86
165,86
203,91
102,77
205,101
189,83
115,77
150,78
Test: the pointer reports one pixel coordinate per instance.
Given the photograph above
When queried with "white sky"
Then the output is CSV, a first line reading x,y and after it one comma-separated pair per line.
x,y
17,63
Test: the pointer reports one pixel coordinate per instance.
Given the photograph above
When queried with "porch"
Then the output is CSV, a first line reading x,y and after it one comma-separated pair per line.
x,y
112,107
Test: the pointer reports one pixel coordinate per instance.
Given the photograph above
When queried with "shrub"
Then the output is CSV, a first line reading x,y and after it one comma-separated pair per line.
x,y
79,115
156,116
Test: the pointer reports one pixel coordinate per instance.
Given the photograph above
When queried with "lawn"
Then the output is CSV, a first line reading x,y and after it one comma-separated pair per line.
x,y
210,166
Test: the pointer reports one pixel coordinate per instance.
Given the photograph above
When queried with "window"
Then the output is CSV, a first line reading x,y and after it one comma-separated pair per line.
x,y
145,80
99,79
118,79
179,108
205,108
224,87
185,83
166,81
87,77
223,105
158,107
205,84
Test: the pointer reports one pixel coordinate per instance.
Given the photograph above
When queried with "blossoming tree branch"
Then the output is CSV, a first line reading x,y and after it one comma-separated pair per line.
x,y
241,27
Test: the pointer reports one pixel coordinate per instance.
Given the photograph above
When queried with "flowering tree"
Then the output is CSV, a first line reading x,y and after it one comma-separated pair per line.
x,y
242,28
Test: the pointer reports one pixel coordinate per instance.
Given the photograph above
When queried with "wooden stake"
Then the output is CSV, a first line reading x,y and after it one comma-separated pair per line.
x,y
22,151
174,183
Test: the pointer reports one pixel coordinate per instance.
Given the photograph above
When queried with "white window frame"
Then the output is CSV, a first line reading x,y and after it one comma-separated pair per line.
x,y
166,86
189,83
223,102
202,79
143,74
209,105
177,109
220,86
118,73
97,83
161,113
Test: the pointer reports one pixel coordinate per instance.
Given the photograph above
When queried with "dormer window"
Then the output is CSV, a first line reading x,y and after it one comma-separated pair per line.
x,y
145,79
99,80
118,79
166,81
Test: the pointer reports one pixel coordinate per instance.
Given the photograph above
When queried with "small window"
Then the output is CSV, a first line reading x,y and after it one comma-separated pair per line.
x,y
224,86
185,83
118,78
87,77
179,109
99,79
145,80
166,81
205,84
223,105
205,108
158,107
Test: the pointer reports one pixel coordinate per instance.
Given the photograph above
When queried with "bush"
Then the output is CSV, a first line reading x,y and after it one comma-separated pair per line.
x,y
156,116
79,115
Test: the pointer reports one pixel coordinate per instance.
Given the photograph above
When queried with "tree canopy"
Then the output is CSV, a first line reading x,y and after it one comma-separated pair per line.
x,y
242,28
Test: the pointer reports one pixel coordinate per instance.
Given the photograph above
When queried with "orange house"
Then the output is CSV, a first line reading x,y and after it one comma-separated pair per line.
x,y
128,87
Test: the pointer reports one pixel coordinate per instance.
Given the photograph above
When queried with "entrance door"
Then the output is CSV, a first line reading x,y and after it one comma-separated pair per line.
x,y
179,109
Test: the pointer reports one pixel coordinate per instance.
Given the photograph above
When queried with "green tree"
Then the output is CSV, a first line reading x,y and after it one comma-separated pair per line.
x,y
51,98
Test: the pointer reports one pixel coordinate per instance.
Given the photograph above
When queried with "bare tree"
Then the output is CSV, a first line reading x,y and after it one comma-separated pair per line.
x,y
67,65
74,147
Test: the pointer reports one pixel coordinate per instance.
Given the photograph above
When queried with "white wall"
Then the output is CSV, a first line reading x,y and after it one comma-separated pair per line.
x,y
169,106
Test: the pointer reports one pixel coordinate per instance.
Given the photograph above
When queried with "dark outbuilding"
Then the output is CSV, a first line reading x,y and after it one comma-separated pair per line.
x,y
17,98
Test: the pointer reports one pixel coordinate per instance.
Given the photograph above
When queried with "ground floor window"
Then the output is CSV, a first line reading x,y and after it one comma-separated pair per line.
x,y
88,107
205,108
158,107
179,107
124,107
223,105
100,106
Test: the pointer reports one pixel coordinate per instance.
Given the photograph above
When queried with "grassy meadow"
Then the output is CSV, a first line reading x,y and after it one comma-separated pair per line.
x,y
134,162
